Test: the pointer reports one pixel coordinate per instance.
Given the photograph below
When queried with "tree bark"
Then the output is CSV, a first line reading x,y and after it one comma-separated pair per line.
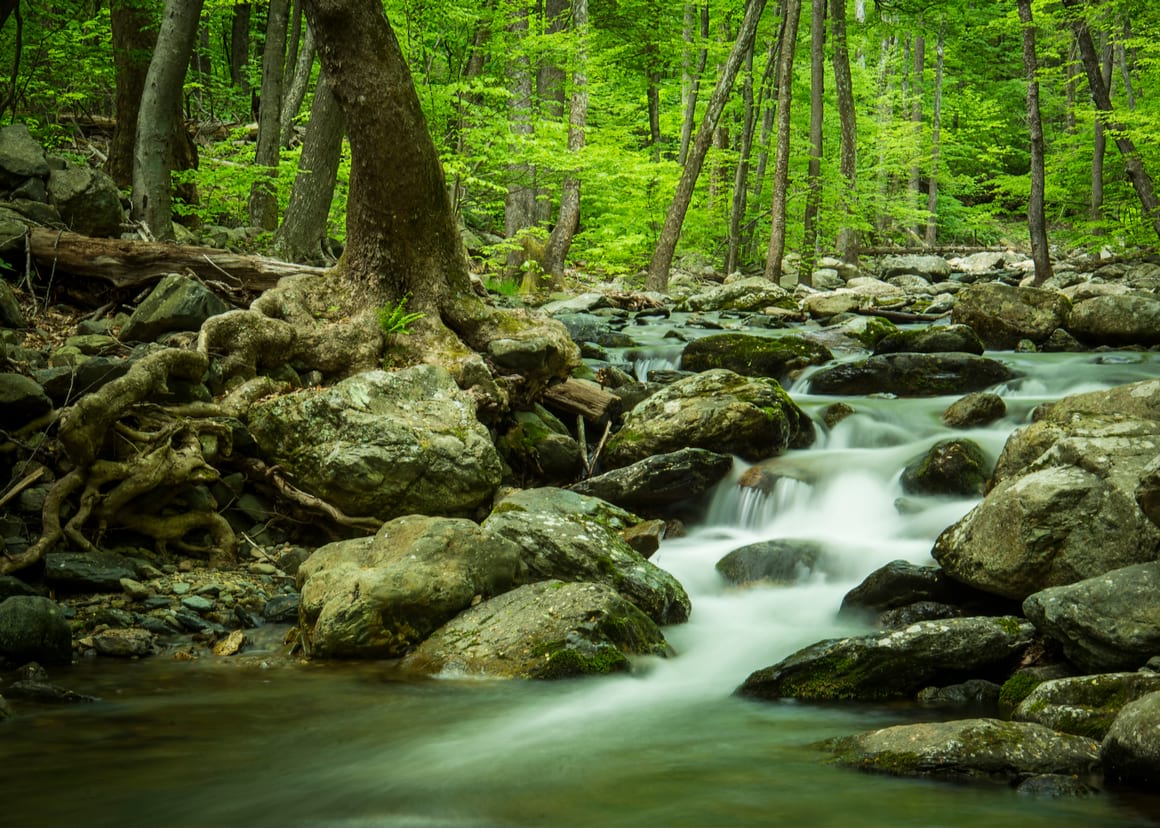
x,y
1099,134
793,9
239,45
935,136
1133,164
263,194
769,88
302,234
560,241
741,175
152,197
401,236
848,121
1036,220
134,30
814,173
296,92
916,117
520,204
662,259
692,80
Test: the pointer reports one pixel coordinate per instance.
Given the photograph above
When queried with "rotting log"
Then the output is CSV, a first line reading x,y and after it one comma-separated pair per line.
x,y
586,399
127,263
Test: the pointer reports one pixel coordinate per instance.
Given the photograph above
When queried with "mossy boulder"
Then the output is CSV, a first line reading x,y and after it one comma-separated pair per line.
x,y
955,467
972,750
1130,751
540,447
718,410
753,355
547,630
34,629
979,408
749,294
781,561
1084,705
1003,315
934,339
1116,320
659,481
908,374
894,664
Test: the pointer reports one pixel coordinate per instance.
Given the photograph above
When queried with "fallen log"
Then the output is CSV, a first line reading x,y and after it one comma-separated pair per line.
x,y
126,263
579,398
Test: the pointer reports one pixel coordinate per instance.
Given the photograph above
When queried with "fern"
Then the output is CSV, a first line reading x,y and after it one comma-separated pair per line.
x,y
396,319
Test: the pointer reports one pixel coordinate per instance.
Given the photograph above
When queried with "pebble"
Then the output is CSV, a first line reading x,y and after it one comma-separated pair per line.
x,y
198,604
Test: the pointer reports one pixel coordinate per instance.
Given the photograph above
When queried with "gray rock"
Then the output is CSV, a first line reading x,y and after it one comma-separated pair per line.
x,y
1084,705
547,630
911,375
1107,623
974,750
955,467
932,340
88,201
659,481
20,156
754,356
33,628
933,268
540,446
1055,786
1129,319
12,586
88,572
749,294
1130,751
580,304
383,444
894,664
717,410
1002,315
593,329
571,537
381,596
980,408
282,608
10,314
973,692
123,642
177,303
22,400
899,584
781,561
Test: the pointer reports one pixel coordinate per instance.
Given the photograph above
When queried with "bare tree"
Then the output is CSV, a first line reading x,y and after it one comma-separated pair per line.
x,y
793,10
848,120
1037,222
814,174
263,197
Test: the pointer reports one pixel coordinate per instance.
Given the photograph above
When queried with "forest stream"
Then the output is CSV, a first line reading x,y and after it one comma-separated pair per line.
x,y
265,742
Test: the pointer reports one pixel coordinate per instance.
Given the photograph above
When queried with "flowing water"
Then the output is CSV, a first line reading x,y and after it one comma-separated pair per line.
x,y
242,742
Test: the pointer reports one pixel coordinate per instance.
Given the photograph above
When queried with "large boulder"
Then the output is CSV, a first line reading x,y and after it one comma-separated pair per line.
x,y
1084,705
20,156
1131,750
546,630
1107,623
779,561
750,294
909,374
717,410
974,750
931,268
753,355
22,400
571,537
1002,315
895,664
932,340
34,629
1129,319
177,303
383,444
88,201
381,596
659,481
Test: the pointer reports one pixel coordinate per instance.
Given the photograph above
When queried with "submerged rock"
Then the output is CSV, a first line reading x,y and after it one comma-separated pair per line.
x,y
546,630
781,561
1131,751
659,481
982,750
954,467
754,356
908,374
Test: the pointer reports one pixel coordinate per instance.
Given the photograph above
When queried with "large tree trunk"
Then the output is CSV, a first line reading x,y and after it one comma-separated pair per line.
x,y
152,161
134,36
662,259
814,174
793,9
1037,223
1133,164
848,120
401,236
263,194
239,45
302,235
556,251
935,136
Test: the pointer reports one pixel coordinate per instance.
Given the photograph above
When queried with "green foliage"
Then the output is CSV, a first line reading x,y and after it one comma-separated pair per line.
x,y
396,319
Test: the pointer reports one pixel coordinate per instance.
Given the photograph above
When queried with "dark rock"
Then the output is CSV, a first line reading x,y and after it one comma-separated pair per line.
x,y
645,537
282,608
34,628
835,413
45,692
1130,751
911,375
1003,315
12,586
177,303
20,156
22,400
88,572
955,467
980,408
540,446
781,561
1055,786
901,584
10,313
198,604
977,692
64,384
88,201
659,481
593,329
909,614
754,356
932,340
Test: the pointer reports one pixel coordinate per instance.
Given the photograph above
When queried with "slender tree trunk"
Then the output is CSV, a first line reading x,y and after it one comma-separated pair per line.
x,y
662,259
769,88
916,118
1037,222
239,46
520,204
848,120
1100,136
741,176
692,80
884,116
464,101
773,257
302,236
814,173
1132,162
296,92
263,193
134,37
567,223
935,146
1071,69
1126,65
152,158
654,104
